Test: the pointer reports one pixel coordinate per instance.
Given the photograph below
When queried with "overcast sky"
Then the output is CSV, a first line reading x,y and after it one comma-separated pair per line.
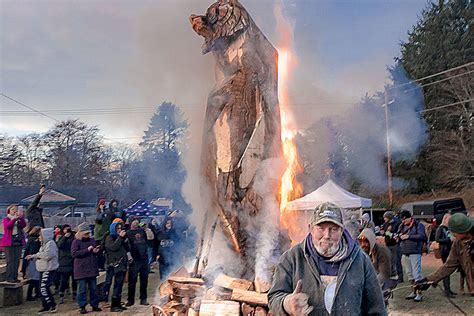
x,y
93,58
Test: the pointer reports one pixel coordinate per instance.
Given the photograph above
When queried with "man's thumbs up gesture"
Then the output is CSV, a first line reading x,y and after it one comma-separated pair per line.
x,y
296,303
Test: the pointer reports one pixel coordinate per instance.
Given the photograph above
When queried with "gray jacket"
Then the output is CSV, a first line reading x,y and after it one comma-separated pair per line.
x,y
357,290
47,257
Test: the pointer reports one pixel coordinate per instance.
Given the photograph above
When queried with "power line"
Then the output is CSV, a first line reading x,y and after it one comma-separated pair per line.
x,y
438,81
434,109
29,107
433,75
41,113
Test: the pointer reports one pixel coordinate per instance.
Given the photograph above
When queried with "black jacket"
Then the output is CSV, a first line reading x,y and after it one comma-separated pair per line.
x,y
138,244
115,253
32,246
167,244
65,258
444,241
34,214
390,229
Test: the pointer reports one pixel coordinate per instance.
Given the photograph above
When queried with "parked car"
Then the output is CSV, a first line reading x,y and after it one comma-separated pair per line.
x,y
76,214
436,209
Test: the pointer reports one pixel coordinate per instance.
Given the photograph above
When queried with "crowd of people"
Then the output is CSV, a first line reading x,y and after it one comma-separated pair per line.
x,y
70,259
338,268
328,273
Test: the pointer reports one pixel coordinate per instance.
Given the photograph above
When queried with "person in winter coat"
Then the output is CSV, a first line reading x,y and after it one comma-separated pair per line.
x,y
366,222
461,255
380,256
109,272
102,223
389,230
153,225
116,261
13,240
445,240
139,266
167,247
66,262
28,268
326,274
412,235
34,214
46,260
84,250
150,238
117,213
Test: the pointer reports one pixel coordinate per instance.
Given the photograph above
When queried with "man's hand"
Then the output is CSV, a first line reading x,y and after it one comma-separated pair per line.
x,y
96,249
90,248
422,284
123,233
29,257
296,303
404,236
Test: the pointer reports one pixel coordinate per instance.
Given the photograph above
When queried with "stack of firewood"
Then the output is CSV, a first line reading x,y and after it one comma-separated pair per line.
x,y
182,295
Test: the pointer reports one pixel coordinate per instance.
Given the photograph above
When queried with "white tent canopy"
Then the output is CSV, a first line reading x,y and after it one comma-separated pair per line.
x,y
329,192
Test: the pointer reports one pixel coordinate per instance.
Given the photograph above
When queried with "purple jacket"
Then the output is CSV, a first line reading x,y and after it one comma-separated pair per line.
x,y
8,230
85,261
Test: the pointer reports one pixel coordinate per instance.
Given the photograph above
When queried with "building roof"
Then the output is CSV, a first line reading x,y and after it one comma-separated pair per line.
x,y
51,197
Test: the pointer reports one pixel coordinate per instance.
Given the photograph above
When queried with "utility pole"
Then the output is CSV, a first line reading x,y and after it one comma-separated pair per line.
x,y
389,152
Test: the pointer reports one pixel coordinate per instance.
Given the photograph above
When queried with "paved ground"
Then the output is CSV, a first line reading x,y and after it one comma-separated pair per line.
x,y
434,302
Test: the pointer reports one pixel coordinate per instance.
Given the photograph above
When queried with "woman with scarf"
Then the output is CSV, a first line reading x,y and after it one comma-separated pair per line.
x,y
117,262
13,240
29,268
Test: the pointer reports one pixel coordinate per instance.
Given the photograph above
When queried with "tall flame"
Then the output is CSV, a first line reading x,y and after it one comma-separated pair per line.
x,y
290,188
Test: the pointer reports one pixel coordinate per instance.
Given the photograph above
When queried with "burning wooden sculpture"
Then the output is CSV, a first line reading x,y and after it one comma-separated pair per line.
x,y
241,154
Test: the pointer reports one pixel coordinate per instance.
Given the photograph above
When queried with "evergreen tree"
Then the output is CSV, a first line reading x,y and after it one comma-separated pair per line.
x,y
442,40
161,171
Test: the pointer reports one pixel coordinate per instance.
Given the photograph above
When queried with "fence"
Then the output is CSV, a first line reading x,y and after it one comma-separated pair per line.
x,y
72,221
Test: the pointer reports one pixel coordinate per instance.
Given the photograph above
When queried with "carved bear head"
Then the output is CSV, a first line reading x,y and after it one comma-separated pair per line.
x,y
223,22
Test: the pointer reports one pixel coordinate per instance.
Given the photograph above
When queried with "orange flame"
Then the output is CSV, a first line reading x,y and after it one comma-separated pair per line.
x,y
290,189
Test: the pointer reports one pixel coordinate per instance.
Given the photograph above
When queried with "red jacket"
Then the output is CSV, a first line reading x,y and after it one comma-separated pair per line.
x,y
8,230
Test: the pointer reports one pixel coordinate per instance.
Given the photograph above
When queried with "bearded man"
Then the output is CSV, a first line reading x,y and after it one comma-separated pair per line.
x,y
326,274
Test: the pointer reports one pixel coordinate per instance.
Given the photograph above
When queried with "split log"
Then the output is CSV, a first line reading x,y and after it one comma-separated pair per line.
x,y
185,280
193,312
262,286
232,283
166,288
218,294
247,310
188,290
250,297
174,307
218,308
